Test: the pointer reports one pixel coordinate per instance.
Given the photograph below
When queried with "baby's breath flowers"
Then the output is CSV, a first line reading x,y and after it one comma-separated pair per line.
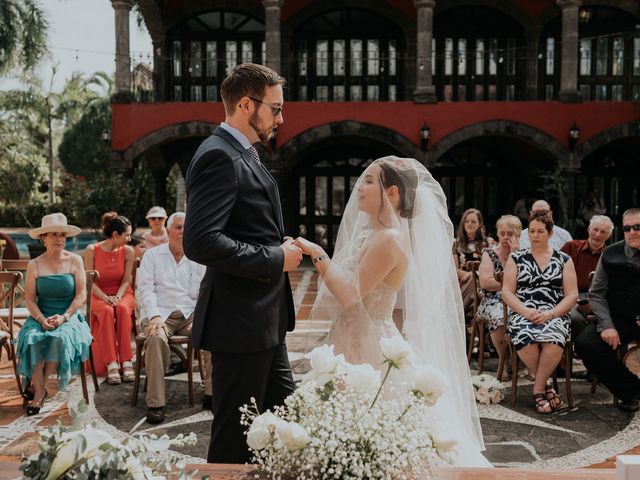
x,y
337,426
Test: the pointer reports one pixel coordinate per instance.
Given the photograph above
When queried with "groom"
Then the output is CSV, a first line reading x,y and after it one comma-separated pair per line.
x,y
234,226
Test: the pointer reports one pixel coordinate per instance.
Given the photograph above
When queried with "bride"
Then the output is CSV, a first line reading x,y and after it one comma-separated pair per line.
x,y
392,274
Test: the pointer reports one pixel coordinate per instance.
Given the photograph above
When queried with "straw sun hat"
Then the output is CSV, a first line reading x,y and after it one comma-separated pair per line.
x,y
54,222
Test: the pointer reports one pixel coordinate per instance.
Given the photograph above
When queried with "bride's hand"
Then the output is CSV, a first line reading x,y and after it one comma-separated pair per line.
x,y
307,247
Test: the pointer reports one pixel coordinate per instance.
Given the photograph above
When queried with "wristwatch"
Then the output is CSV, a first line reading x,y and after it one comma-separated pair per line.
x,y
319,258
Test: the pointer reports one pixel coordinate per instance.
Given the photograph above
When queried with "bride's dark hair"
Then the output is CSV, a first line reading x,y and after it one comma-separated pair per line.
x,y
395,171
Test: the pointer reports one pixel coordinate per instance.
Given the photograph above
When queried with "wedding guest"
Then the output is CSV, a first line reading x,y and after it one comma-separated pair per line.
x,y
540,288
55,337
156,217
585,255
167,290
113,304
490,274
138,245
560,235
614,297
471,241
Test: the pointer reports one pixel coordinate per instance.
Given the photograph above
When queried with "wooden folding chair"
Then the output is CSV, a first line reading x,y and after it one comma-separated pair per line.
x,y
9,282
20,312
477,324
92,276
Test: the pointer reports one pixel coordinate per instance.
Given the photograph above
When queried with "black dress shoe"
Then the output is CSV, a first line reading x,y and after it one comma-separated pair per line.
x,y
207,402
629,406
175,369
155,414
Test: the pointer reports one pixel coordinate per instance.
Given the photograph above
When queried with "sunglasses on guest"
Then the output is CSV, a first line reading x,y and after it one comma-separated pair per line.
x,y
627,228
155,218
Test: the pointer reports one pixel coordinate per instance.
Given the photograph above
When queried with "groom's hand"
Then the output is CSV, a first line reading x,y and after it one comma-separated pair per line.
x,y
292,255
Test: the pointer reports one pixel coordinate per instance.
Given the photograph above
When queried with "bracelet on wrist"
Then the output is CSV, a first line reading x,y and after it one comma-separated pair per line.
x,y
319,258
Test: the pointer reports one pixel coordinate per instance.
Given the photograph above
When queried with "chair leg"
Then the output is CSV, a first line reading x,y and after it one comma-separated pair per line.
x,y
136,381
93,370
472,339
83,380
594,384
192,401
568,364
481,337
15,367
198,354
514,376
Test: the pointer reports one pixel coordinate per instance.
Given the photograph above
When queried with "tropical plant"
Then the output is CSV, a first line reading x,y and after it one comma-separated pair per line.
x,y
23,35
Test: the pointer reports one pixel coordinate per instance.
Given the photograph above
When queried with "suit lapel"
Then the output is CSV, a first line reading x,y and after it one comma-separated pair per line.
x,y
261,173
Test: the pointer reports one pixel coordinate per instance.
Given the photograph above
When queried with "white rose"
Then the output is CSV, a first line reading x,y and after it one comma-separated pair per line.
x,y
324,364
259,434
70,449
362,377
496,395
444,442
482,395
396,351
428,382
292,435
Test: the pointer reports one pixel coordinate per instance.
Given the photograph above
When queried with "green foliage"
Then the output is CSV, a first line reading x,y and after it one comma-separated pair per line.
x,y
82,150
23,35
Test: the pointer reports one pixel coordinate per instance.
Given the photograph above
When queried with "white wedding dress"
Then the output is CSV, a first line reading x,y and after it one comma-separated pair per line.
x,y
429,307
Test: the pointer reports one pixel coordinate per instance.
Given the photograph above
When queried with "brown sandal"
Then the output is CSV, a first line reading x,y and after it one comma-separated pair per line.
x,y
555,402
541,404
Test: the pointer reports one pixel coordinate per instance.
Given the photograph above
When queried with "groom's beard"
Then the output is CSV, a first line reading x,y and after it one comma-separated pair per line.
x,y
264,134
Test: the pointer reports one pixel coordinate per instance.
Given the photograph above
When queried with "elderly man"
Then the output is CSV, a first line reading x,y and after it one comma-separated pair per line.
x,y
614,297
585,255
559,237
167,290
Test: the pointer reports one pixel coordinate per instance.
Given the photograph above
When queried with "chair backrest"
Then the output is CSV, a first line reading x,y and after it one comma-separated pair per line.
x,y
134,271
92,276
9,281
17,266
472,266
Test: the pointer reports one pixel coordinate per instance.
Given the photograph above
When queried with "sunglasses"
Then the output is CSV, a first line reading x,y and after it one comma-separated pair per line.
x,y
156,218
627,228
275,109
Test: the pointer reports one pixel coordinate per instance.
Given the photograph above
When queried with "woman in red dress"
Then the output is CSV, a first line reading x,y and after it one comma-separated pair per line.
x,y
113,303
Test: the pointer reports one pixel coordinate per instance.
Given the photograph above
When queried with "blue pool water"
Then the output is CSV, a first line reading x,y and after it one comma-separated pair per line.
x,y
74,244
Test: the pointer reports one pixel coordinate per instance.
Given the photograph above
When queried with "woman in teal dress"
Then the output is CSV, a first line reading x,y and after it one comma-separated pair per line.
x,y
55,338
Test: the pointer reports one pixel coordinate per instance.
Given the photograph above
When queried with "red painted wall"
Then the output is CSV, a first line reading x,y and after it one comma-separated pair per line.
x,y
131,122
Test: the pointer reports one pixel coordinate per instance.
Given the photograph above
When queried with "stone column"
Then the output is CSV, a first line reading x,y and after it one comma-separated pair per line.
x,y
569,73
532,39
425,90
159,69
123,60
272,33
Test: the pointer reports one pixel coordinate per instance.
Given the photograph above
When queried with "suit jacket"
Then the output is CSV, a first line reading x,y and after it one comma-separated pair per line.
x,y
234,227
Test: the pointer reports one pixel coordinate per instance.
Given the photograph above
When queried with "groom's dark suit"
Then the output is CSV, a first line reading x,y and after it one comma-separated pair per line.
x,y
245,307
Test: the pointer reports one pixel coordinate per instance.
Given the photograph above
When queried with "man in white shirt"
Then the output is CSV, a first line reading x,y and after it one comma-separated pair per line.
x,y
559,237
167,287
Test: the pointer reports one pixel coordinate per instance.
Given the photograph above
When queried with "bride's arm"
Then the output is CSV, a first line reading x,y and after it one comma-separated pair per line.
x,y
383,254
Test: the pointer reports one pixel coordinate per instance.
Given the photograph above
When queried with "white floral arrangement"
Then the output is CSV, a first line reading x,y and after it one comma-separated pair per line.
x,y
339,424
488,389
83,452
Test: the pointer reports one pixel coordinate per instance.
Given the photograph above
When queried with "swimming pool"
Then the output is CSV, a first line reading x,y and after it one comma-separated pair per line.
x,y
74,244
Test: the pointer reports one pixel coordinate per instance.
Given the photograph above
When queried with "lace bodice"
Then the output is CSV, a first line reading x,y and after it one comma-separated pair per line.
x,y
379,306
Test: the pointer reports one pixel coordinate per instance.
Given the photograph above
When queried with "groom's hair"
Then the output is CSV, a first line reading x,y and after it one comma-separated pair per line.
x,y
247,80
395,172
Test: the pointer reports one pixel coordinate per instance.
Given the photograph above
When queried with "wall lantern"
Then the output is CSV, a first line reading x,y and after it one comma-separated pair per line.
x,y
425,132
574,136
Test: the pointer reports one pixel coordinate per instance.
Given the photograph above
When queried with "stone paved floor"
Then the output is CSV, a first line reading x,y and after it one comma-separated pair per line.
x,y
590,434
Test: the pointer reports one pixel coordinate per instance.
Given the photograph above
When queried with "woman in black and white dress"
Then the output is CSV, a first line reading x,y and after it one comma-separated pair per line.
x,y
540,288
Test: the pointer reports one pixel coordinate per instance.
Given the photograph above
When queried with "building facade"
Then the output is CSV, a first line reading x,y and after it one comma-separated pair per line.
x,y
498,98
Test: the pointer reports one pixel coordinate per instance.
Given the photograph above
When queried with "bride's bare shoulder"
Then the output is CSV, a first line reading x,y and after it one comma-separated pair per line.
x,y
389,239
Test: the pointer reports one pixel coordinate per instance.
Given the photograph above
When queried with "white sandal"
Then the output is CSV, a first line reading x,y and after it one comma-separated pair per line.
x,y
113,376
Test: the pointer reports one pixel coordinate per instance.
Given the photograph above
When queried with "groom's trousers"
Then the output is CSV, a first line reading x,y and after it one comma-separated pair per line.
x,y
236,377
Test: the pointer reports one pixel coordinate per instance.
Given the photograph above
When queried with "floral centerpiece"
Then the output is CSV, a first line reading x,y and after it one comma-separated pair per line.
x,y
82,451
344,423
487,389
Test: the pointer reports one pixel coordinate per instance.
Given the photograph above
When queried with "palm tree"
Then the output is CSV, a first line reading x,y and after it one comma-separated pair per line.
x,y
23,34
44,113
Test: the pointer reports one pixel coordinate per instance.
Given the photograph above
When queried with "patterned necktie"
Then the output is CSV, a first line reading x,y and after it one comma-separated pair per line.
x,y
254,153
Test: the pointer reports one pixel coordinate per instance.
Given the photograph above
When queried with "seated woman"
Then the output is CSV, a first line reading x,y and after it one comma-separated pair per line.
x,y
55,338
540,288
156,216
113,303
490,273
470,242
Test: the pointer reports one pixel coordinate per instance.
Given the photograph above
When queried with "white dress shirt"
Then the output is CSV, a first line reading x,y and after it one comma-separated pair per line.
x,y
558,239
164,286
